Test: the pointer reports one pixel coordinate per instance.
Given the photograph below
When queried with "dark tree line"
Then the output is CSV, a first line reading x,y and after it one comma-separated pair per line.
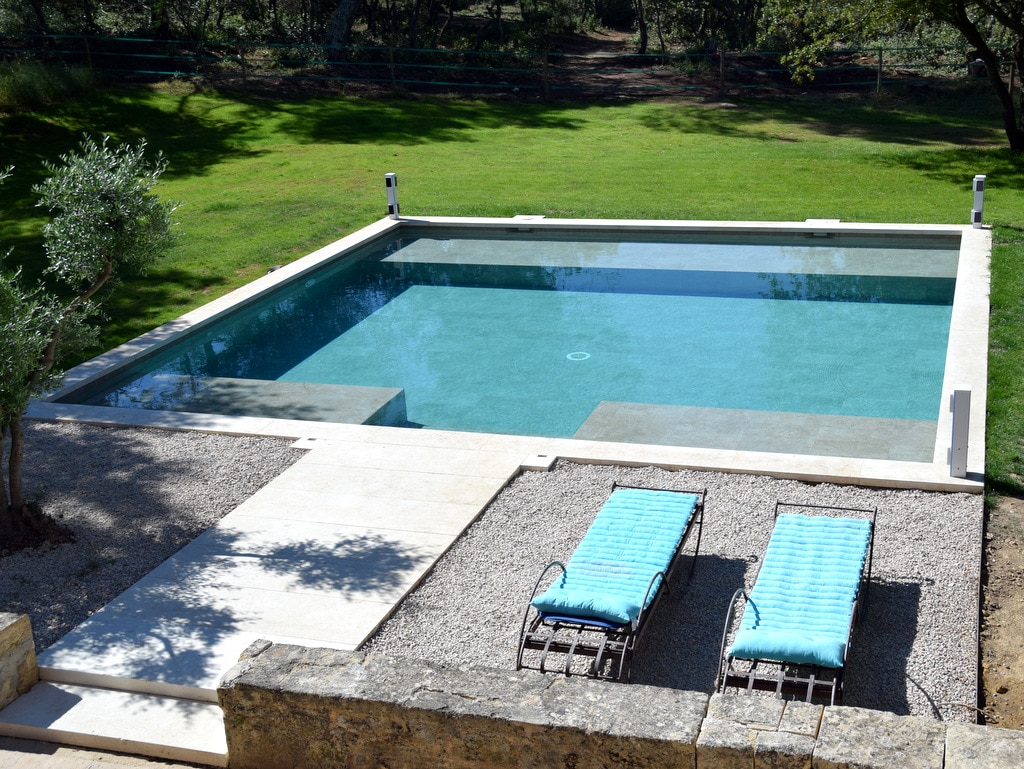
x,y
415,23
994,29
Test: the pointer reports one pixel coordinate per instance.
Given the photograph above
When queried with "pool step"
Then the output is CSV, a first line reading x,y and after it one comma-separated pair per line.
x,y
832,435
126,722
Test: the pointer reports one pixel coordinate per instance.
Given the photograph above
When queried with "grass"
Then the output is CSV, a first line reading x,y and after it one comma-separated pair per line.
x,y
31,85
264,180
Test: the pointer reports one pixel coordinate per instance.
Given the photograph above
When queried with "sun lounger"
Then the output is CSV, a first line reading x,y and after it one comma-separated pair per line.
x,y
588,621
795,629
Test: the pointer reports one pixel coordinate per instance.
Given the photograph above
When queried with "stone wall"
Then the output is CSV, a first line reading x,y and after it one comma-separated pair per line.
x,y
290,706
18,669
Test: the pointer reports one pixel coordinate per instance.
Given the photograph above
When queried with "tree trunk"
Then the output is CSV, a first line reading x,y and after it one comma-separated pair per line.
x,y
414,23
16,502
37,11
160,20
641,23
969,29
340,29
5,500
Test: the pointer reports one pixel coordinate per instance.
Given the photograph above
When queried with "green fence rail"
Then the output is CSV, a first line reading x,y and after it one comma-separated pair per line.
x,y
550,74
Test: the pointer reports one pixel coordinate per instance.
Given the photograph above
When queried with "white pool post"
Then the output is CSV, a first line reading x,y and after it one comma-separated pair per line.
x,y
960,405
979,200
391,184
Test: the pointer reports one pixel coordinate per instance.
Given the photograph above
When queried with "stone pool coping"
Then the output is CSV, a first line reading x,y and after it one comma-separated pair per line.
x,y
966,368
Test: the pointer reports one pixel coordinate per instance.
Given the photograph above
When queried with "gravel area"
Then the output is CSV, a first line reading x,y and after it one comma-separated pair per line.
x,y
133,497
915,651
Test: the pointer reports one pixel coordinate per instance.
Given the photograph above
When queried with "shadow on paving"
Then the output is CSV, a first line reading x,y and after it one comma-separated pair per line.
x,y
132,497
170,626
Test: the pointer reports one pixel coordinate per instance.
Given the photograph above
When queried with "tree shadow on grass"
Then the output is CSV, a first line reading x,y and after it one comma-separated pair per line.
x,y
403,122
1003,169
966,122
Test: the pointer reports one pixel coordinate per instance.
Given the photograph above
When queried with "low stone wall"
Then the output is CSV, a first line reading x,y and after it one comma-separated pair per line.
x,y
18,669
290,706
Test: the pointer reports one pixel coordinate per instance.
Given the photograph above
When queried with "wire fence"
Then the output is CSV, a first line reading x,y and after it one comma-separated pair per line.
x,y
546,74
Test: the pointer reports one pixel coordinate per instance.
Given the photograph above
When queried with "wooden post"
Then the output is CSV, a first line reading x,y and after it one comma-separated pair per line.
x,y
721,70
878,86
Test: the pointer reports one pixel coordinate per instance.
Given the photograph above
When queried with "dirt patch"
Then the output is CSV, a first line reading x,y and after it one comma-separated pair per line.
x,y
1002,620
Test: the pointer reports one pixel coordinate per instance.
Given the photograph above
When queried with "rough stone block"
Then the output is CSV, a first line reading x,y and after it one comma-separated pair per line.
x,y
857,738
801,718
289,706
783,750
725,745
19,670
969,746
755,711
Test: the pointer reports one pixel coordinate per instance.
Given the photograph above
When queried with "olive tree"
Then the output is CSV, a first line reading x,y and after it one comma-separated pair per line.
x,y
105,224
992,27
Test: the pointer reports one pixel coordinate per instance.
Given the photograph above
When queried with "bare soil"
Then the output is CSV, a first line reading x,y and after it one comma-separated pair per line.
x,y
1002,615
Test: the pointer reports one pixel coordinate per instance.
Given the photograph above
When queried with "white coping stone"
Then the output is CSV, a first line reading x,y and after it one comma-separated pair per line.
x,y
160,727
966,363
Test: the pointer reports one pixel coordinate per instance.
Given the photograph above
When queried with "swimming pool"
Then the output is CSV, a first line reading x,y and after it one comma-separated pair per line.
x,y
799,337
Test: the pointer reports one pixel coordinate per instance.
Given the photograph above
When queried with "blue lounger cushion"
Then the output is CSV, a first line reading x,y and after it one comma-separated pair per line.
x,y
633,538
800,607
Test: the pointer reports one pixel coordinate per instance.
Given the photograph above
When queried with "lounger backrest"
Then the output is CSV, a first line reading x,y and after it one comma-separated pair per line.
x,y
633,538
802,602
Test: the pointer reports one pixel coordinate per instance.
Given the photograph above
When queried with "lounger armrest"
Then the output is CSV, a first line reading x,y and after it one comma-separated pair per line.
x,y
720,683
543,573
647,596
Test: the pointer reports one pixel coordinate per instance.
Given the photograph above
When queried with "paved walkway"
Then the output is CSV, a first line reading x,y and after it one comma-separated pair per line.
x,y
318,557
29,754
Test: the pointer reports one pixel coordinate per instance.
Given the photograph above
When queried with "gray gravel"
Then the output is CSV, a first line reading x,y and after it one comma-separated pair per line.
x,y
133,497
915,651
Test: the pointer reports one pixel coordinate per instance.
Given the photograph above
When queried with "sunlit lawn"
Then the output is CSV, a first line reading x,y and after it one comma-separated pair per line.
x,y
262,181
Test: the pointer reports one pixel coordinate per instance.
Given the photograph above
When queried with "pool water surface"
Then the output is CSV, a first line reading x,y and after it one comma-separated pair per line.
x,y
530,334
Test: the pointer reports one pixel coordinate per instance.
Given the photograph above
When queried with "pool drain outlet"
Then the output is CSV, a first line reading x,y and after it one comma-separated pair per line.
x,y
578,355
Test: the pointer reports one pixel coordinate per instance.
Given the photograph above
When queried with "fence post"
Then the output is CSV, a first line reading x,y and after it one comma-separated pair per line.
x,y
878,87
88,53
721,70
546,78
960,405
391,67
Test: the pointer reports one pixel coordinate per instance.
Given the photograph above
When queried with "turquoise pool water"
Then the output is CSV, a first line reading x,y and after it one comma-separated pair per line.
x,y
527,335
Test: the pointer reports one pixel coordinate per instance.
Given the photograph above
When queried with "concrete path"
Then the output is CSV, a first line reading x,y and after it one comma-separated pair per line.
x,y
319,557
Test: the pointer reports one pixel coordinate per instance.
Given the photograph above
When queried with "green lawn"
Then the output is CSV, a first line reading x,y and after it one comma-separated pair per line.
x,y
262,181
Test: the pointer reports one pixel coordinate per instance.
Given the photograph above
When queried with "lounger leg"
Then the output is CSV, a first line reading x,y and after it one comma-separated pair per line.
x,y
596,668
545,650
571,652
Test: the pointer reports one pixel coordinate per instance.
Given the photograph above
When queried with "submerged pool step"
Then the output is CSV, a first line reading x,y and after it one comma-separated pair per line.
x,y
350,404
126,722
831,435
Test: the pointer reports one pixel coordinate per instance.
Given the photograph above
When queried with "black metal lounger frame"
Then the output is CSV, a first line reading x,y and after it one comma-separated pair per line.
x,y
611,647
802,680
